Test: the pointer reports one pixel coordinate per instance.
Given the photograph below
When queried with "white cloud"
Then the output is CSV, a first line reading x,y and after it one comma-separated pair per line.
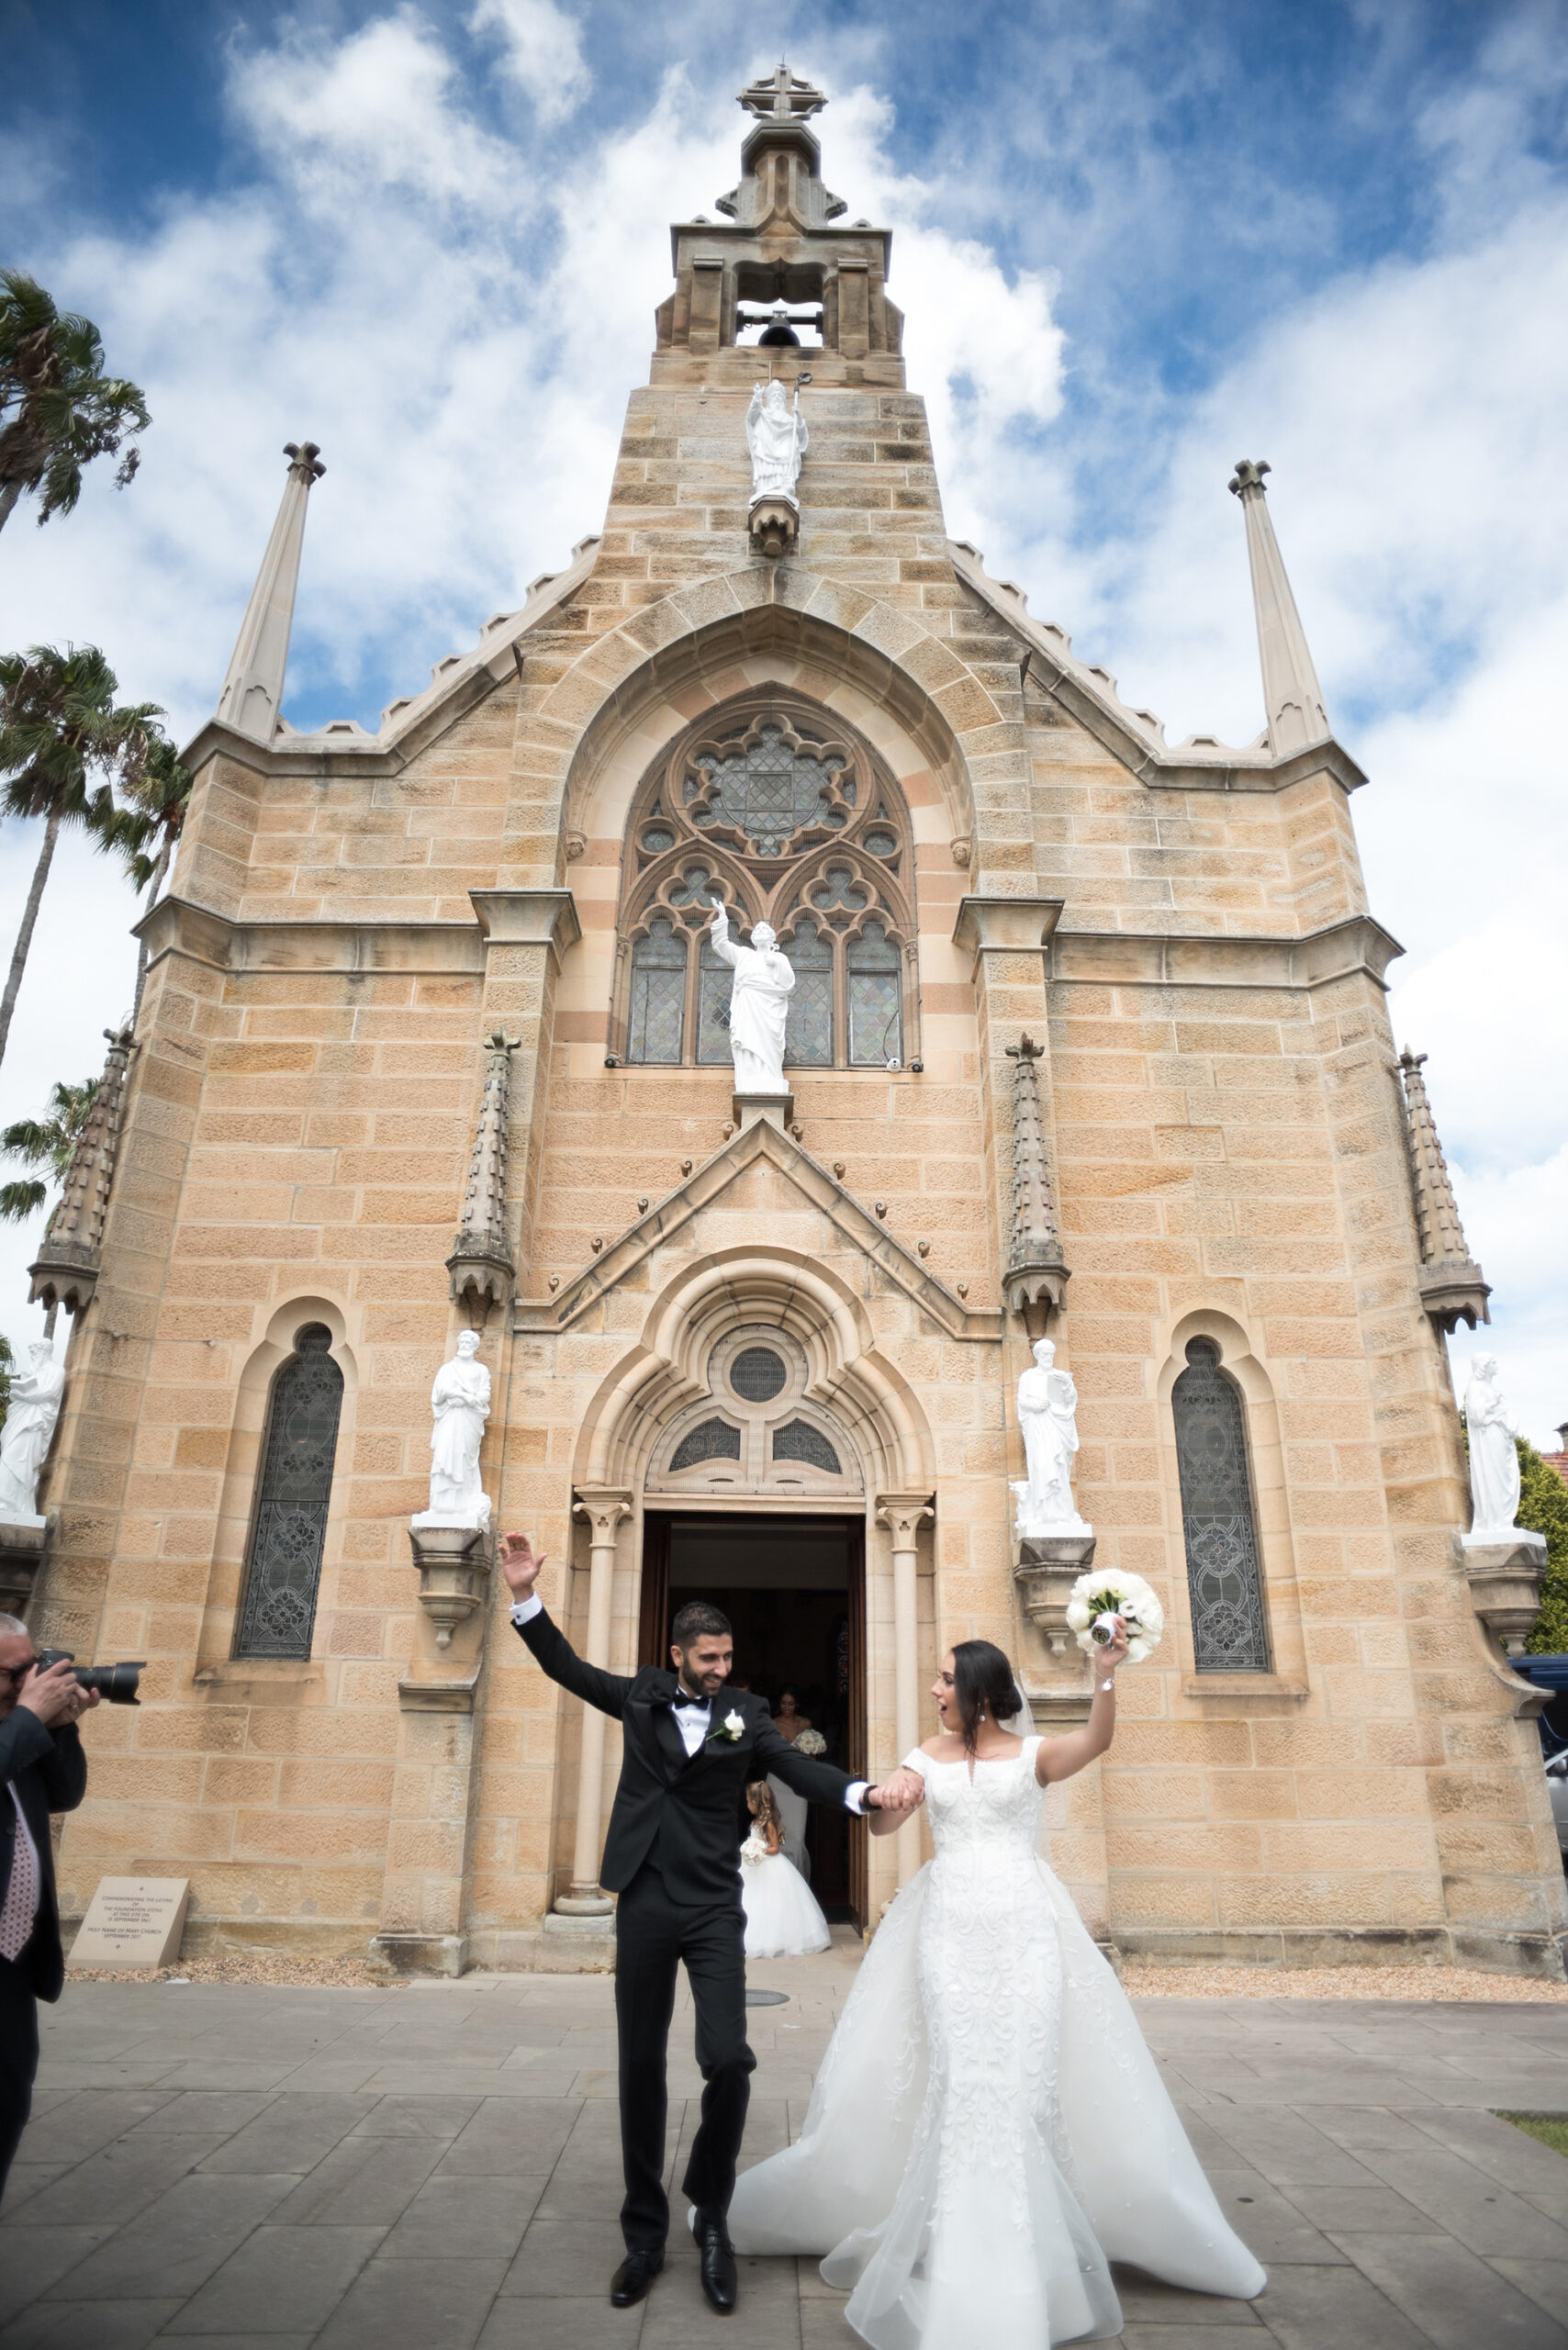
x,y
541,52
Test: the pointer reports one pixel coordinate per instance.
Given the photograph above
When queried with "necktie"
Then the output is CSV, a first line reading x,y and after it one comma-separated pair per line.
x,y
22,1893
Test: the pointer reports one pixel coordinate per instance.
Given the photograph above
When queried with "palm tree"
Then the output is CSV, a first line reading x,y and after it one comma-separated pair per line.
x,y
158,803
57,408
48,1142
59,722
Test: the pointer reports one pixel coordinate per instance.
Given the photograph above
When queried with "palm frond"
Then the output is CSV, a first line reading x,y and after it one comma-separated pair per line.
x,y
20,1201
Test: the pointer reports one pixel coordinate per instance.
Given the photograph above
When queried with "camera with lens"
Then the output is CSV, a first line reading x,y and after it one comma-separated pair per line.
x,y
116,1683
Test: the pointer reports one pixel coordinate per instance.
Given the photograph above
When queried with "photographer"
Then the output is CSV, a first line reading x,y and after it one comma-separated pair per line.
x,y
42,1769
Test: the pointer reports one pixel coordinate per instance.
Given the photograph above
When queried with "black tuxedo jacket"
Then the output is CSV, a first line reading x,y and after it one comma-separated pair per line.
x,y
677,1810
49,1771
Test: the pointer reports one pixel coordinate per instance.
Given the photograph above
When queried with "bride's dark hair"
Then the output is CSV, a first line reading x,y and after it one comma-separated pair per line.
x,y
982,1683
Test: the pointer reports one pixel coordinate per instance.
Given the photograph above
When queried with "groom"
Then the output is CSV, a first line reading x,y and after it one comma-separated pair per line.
x,y
672,1856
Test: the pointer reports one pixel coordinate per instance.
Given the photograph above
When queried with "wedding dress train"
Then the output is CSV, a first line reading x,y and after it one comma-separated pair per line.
x,y
989,2130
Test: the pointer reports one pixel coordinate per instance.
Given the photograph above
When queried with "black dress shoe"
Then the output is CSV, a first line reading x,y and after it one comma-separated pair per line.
x,y
634,2277
716,2258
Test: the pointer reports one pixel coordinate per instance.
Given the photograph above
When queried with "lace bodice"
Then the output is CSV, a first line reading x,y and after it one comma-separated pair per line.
x,y
994,1810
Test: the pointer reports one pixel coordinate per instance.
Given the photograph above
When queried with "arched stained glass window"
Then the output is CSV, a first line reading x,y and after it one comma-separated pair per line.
x,y
714,981
770,804
1230,1633
282,1564
808,1038
711,1440
876,999
658,993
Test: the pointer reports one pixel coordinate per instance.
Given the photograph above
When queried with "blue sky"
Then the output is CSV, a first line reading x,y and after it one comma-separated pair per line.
x,y
1133,243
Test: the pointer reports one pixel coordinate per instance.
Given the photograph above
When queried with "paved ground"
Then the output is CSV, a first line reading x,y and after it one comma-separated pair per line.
x,y
434,2168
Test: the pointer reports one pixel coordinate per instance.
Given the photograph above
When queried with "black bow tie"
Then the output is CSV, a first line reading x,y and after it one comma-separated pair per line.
x,y
683,1703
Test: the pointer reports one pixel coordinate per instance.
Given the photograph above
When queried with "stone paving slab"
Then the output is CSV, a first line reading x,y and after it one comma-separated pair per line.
x,y
436,2166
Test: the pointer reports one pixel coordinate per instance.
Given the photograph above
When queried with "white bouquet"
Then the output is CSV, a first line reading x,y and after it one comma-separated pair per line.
x,y
811,1741
1105,1592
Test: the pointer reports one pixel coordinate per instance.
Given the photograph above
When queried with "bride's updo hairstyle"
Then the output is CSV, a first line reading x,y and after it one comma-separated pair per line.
x,y
984,1687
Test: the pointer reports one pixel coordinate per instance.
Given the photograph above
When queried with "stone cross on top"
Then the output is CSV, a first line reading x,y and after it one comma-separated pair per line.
x,y
781,96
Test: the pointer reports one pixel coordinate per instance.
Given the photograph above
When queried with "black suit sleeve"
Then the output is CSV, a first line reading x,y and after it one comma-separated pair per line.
x,y
554,1654
818,1782
64,1770
24,1740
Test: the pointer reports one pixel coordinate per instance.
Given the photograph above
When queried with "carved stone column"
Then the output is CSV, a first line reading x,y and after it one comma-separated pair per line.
x,y
903,1514
1037,1272
66,1270
480,1266
604,1507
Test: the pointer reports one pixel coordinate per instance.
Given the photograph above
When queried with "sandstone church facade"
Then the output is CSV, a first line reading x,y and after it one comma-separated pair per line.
x,y
1089,1036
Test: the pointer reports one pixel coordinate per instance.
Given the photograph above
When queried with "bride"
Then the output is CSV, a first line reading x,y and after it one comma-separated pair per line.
x,y
989,2129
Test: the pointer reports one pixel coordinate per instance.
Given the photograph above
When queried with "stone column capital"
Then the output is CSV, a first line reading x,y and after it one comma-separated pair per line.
x,y
1005,925
528,918
604,1507
903,1514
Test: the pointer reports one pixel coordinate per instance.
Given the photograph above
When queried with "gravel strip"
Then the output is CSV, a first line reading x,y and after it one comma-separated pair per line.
x,y
1140,1981
249,1967
1426,1983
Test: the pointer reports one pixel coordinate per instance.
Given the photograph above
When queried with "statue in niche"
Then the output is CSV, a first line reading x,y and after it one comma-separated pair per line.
x,y
460,1403
1047,1414
1494,1462
35,1397
759,1003
777,440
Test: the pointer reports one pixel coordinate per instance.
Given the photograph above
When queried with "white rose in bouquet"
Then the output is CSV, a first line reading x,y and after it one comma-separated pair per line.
x,y
1110,1591
811,1741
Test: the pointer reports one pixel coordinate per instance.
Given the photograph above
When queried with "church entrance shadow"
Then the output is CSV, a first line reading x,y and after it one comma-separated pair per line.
x,y
794,1590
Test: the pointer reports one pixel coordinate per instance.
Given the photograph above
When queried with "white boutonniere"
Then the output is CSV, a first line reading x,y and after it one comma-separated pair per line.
x,y
730,1730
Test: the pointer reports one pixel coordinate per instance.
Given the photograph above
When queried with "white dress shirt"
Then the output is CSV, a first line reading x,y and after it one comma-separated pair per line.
x,y
693,1716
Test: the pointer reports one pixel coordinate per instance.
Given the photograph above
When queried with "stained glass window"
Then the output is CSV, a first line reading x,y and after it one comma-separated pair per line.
x,y
809,1036
876,991
658,994
757,1374
798,1440
740,809
714,981
1229,1631
767,791
712,1441
282,1564
839,888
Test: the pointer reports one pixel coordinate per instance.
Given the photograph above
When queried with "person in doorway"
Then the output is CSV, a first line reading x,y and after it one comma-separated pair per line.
x,y
790,1723
782,1920
688,1749
42,1769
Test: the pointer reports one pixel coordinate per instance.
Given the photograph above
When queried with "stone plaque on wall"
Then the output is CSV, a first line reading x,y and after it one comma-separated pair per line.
x,y
133,1922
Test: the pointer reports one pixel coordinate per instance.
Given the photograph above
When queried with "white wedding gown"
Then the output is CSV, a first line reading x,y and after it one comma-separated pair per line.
x,y
989,2129
782,1919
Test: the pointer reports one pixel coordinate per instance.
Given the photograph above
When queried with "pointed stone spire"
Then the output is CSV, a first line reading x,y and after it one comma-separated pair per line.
x,y
1452,1290
252,699
1036,1268
481,1263
1292,695
66,1272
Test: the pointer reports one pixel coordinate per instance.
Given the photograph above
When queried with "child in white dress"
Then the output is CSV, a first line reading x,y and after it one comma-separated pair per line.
x,y
782,1920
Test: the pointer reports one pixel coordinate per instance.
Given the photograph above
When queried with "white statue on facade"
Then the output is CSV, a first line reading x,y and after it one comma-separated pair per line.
x,y
759,1003
460,1400
1047,1414
1493,1464
35,1397
777,440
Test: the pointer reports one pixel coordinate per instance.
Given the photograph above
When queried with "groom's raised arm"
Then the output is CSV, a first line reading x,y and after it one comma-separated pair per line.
x,y
549,1646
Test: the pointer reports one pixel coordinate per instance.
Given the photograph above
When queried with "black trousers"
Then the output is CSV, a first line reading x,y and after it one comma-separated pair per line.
x,y
653,1933
18,2059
